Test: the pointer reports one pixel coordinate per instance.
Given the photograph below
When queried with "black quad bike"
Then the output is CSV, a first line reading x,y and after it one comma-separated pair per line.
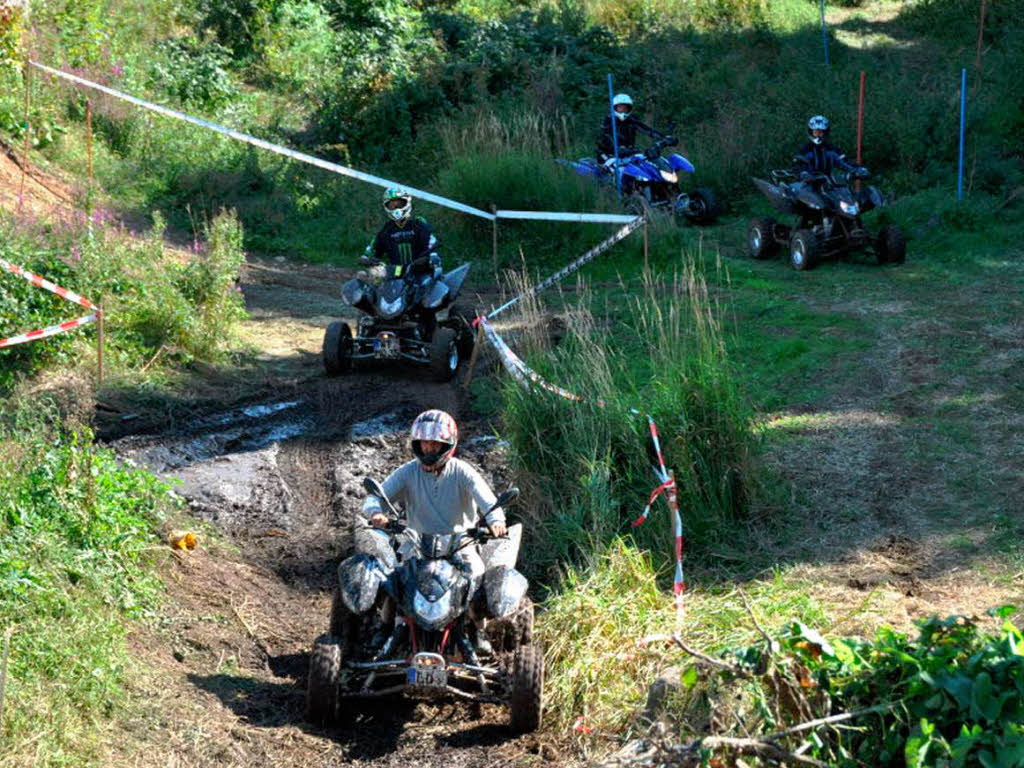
x,y
426,648
398,320
828,220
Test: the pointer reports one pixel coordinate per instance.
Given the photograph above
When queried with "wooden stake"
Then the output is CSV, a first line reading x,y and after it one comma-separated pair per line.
x,y
24,152
99,344
475,356
646,244
494,241
3,669
88,137
860,122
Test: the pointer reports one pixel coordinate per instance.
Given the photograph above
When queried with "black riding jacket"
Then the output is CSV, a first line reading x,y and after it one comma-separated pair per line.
x,y
821,158
626,134
403,245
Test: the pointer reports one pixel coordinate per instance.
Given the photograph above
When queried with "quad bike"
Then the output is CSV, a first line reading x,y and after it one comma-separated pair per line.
x,y
428,649
398,320
651,182
828,220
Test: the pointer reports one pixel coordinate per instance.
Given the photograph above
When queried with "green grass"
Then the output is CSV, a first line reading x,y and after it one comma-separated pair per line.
x,y
75,568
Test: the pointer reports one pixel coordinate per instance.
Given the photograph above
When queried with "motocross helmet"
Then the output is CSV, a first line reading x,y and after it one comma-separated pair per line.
x,y
818,123
397,204
437,426
622,100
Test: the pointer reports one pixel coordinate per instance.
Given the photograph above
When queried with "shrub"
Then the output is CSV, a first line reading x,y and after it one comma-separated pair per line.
x,y
192,73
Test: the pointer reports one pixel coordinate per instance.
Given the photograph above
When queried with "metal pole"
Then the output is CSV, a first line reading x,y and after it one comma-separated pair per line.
x,y
963,110
99,343
824,32
860,123
615,135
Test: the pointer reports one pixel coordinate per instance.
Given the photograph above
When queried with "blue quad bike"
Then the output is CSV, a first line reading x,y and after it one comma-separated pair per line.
x,y
395,325
406,627
651,182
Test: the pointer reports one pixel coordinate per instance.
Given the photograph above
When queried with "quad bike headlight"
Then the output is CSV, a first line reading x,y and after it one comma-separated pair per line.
x,y
670,176
432,612
848,208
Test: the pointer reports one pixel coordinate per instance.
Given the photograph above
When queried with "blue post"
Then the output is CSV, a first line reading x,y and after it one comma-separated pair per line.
x,y
615,136
963,110
824,32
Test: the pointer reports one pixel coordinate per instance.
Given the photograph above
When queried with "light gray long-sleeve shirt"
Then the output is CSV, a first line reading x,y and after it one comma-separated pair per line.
x,y
449,501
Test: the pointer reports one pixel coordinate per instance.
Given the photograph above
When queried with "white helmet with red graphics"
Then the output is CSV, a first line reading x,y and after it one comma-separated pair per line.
x,y
434,426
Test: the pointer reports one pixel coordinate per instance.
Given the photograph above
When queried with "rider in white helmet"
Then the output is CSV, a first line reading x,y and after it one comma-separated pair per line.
x,y
818,155
440,494
626,126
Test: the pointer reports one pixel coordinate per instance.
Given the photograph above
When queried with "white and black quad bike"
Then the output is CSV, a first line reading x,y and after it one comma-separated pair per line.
x,y
828,225
393,328
427,648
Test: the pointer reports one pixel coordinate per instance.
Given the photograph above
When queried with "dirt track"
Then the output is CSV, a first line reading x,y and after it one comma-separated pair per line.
x,y
279,480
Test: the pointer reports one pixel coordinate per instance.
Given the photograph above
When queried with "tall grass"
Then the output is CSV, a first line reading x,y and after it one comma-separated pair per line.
x,y
587,467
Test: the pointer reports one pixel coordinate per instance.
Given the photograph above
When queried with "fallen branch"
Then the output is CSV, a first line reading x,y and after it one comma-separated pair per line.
x,y
711,661
750,612
828,721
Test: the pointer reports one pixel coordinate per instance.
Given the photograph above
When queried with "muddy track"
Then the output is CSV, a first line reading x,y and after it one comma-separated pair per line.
x,y
278,481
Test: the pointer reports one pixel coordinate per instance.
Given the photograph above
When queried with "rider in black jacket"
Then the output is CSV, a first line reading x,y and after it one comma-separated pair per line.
x,y
818,155
626,127
404,239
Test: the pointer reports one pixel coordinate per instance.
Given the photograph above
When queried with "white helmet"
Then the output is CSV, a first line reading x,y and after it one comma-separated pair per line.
x,y
437,426
818,123
620,99
397,204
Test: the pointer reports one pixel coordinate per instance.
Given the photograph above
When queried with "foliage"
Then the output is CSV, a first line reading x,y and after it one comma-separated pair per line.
x,y
954,696
299,44
236,24
76,526
192,73
11,29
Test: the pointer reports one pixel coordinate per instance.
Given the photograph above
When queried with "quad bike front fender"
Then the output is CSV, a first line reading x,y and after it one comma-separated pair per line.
x,y
360,578
776,195
436,294
504,588
680,164
357,294
870,198
455,279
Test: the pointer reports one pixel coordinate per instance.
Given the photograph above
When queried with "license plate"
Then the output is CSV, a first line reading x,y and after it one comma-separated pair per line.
x,y
427,672
386,346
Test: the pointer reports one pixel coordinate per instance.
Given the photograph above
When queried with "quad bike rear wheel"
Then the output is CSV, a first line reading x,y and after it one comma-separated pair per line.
x,y
761,238
890,245
462,322
337,349
803,250
704,206
526,700
324,677
444,354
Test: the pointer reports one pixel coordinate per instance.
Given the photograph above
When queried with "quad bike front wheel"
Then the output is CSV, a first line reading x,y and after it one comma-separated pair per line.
x,y
890,245
513,631
337,349
444,354
761,239
324,677
704,206
526,700
462,322
803,250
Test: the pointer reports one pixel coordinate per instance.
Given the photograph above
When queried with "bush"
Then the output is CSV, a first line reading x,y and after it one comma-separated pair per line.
x,y
192,73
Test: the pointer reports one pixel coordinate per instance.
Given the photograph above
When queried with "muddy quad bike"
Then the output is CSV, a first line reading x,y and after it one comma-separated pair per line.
x,y
397,321
652,182
828,224
428,649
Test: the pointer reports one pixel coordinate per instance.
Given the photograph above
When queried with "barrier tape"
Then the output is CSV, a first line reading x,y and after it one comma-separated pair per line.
x,y
46,285
593,218
527,376
590,255
64,293
598,218
50,330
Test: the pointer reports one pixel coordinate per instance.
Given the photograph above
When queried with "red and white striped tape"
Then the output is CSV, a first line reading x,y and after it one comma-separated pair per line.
x,y
64,293
527,376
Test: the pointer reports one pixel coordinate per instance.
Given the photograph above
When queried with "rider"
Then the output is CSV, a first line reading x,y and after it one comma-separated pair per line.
x,y
818,155
404,239
441,494
626,127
